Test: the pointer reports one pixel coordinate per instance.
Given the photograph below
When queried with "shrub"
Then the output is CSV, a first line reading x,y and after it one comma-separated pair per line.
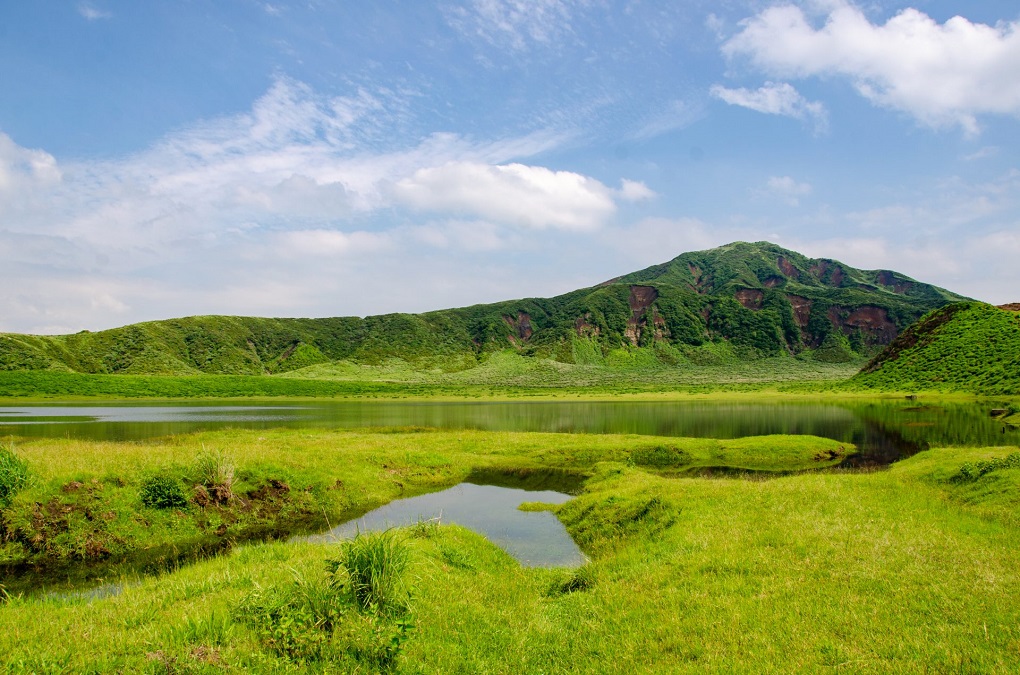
x,y
163,492
13,474
974,470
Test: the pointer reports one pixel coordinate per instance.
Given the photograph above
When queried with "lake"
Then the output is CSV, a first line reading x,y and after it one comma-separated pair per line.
x,y
883,430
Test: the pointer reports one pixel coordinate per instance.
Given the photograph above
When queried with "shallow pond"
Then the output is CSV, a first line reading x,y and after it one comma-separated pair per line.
x,y
534,538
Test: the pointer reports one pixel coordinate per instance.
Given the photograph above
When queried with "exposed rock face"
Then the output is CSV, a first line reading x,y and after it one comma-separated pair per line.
x,y
787,268
751,298
828,273
641,298
801,309
700,280
584,328
889,280
772,282
521,326
873,323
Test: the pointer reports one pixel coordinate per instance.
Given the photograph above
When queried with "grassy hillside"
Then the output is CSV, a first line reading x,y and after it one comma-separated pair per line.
x,y
969,346
749,300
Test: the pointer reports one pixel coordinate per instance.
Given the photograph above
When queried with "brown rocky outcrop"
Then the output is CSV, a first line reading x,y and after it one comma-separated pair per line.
x,y
640,300
873,323
584,327
801,309
889,280
751,298
787,268
521,326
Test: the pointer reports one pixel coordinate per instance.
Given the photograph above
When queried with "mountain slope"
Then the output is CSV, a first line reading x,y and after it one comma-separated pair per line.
x,y
752,299
967,346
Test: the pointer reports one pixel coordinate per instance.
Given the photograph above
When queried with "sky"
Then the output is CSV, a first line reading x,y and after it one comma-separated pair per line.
x,y
315,158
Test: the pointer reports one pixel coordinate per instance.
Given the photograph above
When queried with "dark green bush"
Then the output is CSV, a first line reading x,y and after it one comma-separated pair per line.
x,y
660,457
163,492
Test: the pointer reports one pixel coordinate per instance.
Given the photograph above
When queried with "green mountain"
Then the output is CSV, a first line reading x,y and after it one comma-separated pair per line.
x,y
968,346
751,300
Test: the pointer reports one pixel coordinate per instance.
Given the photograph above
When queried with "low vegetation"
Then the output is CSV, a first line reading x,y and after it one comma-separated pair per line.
x,y
906,570
970,347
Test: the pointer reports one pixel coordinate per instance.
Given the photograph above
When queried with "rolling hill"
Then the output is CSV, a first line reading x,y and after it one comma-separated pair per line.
x,y
969,346
749,300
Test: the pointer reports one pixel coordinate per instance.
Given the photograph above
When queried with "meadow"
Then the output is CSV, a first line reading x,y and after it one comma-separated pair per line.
x,y
910,569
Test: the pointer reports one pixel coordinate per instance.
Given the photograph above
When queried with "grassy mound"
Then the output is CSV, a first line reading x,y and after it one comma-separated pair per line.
x,y
968,347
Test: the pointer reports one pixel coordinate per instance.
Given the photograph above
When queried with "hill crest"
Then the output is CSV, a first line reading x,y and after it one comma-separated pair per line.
x,y
755,299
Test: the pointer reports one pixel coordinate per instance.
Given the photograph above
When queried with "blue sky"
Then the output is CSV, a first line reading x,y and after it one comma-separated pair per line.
x,y
347,158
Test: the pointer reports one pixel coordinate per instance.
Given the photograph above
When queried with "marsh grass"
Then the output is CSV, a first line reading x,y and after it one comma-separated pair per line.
x,y
14,474
371,566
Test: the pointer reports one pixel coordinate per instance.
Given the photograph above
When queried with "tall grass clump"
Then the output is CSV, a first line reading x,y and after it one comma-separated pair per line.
x,y
214,471
13,474
374,564
355,615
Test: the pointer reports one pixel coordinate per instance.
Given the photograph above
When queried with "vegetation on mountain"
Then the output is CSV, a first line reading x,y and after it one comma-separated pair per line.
x,y
969,347
757,300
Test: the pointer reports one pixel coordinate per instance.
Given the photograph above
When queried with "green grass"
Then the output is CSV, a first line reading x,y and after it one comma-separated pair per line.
x,y
905,570
971,347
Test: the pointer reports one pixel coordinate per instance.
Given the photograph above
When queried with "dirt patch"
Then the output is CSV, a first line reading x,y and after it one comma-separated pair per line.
x,y
787,268
521,326
701,280
873,323
640,300
751,298
828,273
584,327
896,283
1010,307
801,309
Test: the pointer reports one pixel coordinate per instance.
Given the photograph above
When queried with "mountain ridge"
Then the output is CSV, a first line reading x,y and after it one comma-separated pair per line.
x,y
757,298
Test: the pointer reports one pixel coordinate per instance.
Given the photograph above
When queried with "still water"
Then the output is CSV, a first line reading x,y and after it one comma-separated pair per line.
x,y
535,539
883,430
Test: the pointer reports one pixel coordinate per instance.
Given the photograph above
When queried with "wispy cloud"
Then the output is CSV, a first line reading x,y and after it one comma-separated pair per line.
x,y
515,24
787,189
942,74
775,98
93,13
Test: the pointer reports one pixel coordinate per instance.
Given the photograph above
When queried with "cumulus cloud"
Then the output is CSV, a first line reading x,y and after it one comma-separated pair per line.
x,y
298,200
942,74
515,194
775,98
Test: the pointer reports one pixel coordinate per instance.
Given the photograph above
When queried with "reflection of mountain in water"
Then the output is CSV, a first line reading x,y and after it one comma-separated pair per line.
x,y
883,431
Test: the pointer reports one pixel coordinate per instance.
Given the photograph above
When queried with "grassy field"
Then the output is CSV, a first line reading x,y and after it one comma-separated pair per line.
x,y
912,569
502,375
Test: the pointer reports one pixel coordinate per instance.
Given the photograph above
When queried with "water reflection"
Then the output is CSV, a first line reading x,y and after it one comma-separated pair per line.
x,y
883,430
535,539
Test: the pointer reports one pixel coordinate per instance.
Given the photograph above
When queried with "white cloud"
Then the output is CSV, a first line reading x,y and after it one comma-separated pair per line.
x,y
301,243
91,12
942,74
285,209
21,167
516,194
775,98
634,191
787,189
